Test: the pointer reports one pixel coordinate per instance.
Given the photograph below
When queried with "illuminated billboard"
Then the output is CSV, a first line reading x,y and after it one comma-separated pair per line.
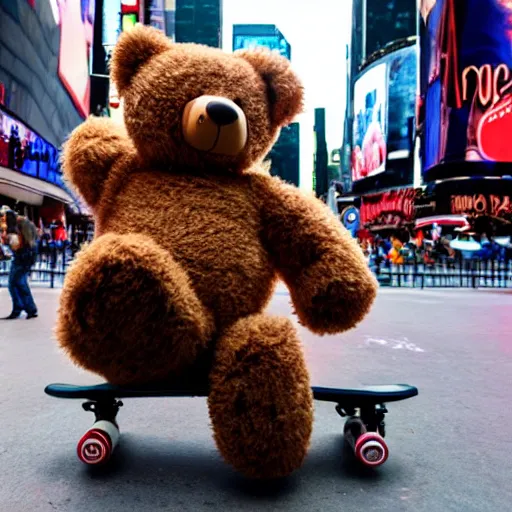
x,y
21,149
370,123
392,208
76,35
402,85
466,81
384,112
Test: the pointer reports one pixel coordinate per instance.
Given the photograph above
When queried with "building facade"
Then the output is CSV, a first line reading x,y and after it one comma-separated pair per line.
x,y
428,107
44,94
378,147
199,21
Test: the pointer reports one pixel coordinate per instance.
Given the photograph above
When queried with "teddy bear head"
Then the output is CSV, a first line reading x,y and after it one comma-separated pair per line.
x,y
190,106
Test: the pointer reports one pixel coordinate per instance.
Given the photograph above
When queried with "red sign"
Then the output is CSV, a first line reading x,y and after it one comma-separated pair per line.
x,y
481,203
392,207
495,123
129,6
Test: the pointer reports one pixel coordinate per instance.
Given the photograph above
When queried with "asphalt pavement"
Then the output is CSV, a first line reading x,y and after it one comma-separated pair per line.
x,y
449,447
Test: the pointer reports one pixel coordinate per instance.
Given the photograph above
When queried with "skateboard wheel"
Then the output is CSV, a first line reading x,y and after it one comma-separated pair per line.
x,y
97,444
371,449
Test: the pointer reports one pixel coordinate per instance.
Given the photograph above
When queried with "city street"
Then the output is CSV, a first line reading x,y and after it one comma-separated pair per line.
x,y
449,447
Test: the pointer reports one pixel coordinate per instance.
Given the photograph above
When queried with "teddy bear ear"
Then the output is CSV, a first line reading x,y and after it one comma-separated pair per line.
x,y
133,49
284,88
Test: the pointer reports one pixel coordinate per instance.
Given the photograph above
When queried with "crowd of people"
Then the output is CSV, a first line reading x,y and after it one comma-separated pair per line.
x,y
382,252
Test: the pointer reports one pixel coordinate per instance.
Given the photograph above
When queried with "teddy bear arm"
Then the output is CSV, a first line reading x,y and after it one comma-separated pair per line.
x,y
331,286
91,153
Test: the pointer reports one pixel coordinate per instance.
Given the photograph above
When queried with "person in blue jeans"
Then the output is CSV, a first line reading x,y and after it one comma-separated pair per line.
x,y
22,238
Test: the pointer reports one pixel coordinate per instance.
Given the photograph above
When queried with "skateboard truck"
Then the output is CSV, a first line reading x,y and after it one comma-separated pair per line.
x,y
364,431
98,443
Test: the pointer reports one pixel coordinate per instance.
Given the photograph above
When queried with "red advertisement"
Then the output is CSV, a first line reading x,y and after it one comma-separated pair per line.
x,y
389,208
466,61
76,36
130,6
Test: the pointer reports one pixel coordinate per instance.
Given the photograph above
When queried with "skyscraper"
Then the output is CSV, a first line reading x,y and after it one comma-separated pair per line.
x,y
321,177
376,23
199,21
388,21
285,155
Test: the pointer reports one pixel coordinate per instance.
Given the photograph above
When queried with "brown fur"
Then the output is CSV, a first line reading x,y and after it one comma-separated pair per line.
x,y
260,401
189,245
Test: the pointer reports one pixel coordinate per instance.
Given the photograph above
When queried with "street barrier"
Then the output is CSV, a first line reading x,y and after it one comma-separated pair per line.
x,y
460,274
49,269
52,263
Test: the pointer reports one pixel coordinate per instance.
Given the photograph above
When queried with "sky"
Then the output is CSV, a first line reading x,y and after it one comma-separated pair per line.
x,y
318,32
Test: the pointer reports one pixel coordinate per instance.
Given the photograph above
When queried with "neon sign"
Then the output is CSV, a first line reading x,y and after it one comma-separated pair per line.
x,y
488,89
466,86
481,204
395,204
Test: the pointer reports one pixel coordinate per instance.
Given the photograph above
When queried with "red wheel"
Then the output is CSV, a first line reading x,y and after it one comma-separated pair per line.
x,y
371,449
95,447
98,443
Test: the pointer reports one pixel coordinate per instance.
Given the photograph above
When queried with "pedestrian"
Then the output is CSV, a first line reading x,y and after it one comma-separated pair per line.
x,y
21,236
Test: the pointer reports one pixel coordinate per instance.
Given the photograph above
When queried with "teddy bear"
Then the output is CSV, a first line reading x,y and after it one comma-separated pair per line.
x,y
192,233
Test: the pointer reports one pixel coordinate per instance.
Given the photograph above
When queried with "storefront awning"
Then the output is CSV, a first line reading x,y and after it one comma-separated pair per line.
x,y
442,220
30,190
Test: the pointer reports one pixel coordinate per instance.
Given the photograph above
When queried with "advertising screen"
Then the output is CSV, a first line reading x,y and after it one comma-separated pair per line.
x,y
23,150
76,35
370,123
466,81
401,101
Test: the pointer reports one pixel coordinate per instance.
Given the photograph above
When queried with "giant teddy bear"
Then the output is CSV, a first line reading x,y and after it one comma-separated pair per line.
x,y
192,234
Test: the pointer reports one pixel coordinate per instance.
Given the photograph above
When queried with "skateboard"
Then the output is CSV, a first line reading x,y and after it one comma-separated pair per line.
x,y
364,409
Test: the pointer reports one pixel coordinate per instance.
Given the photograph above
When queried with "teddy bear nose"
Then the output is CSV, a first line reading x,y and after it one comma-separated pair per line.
x,y
221,113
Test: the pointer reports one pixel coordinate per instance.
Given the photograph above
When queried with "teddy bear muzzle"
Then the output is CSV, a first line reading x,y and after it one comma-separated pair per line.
x,y
215,124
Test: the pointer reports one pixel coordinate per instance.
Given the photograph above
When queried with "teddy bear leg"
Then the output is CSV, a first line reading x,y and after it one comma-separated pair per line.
x,y
260,400
127,312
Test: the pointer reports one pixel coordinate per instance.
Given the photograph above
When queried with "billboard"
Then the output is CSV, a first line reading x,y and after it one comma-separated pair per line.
x,y
466,81
76,36
21,149
402,85
370,123
384,112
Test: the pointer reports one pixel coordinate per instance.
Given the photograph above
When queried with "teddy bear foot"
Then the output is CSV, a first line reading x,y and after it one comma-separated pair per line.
x,y
260,399
128,313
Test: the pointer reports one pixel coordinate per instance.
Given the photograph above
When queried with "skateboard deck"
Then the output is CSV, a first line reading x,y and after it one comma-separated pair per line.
x,y
360,396
363,407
